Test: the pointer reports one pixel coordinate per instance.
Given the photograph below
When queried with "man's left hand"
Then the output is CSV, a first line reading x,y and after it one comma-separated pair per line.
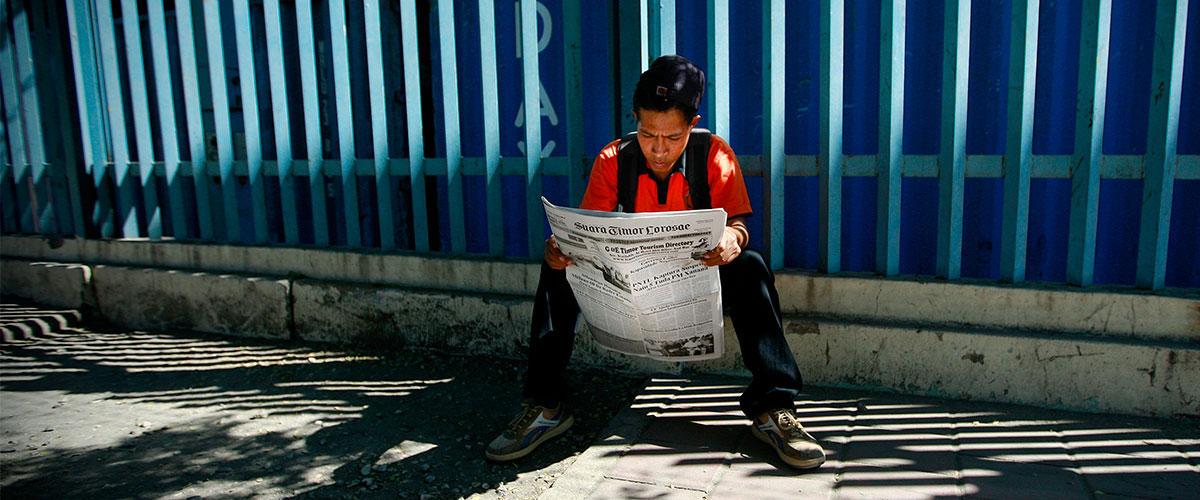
x,y
727,250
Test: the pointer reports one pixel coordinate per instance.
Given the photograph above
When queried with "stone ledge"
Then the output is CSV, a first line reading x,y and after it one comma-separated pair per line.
x,y
217,303
48,283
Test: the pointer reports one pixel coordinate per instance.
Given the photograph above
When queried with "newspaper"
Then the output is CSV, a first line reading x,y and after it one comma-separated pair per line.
x,y
638,280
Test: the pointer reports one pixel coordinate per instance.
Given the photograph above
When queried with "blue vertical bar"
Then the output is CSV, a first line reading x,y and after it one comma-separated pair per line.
x,y
412,109
573,76
631,59
195,128
1018,155
344,114
491,125
127,218
774,114
829,159
166,113
889,162
87,98
131,26
952,160
383,178
1170,30
312,123
1091,96
31,117
454,182
718,67
64,163
8,208
245,46
13,126
531,85
279,115
220,104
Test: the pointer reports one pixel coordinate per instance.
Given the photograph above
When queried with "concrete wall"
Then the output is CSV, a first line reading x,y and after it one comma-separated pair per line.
x,y
1095,349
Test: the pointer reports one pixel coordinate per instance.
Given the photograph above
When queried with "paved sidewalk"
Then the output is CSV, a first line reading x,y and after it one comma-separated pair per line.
x,y
686,439
88,413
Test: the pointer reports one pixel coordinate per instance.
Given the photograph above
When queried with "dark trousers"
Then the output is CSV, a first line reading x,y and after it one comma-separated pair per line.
x,y
749,296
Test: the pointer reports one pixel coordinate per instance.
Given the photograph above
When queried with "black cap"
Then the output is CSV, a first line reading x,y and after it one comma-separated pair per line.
x,y
675,78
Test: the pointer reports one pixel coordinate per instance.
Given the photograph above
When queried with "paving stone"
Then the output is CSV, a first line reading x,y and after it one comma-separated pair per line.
x,y
685,431
1002,480
735,484
690,467
904,450
1141,478
864,482
756,458
613,489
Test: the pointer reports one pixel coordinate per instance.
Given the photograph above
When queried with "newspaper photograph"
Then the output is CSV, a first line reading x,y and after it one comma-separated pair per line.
x,y
639,282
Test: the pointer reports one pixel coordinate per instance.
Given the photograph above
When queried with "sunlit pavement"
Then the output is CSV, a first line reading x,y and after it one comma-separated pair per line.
x,y
108,415
686,439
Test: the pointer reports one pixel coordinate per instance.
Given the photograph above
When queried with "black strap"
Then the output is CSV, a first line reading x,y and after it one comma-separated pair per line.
x,y
630,158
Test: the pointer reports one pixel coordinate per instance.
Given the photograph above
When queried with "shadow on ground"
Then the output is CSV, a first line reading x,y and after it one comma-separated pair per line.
x,y
895,446
105,413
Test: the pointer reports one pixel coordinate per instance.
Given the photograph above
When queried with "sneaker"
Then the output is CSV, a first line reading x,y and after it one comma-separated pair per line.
x,y
530,428
781,430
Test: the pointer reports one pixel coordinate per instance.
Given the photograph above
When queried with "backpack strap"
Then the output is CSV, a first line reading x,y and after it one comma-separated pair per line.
x,y
696,168
630,157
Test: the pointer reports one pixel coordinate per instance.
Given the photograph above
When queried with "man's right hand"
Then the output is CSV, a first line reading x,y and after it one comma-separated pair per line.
x,y
554,256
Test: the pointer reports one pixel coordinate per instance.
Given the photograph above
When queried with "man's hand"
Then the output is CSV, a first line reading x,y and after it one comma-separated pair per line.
x,y
554,256
736,237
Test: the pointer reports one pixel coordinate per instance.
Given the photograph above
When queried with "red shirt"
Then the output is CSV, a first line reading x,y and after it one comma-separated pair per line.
x,y
725,184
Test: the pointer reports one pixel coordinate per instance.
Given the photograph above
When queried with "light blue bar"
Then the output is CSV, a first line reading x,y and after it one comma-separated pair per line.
x,y
220,104
118,142
412,109
1170,31
87,98
245,45
1091,96
889,162
166,114
491,126
830,161
312,124
14,126
573,55
195,129
32,119
279,115
383,180
1018,157
131,26
660,24
774,115
454,181
952,160
718,67
344,115
531,85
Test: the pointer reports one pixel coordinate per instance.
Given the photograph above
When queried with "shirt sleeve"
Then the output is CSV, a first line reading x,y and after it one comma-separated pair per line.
x,y
601,193
726,186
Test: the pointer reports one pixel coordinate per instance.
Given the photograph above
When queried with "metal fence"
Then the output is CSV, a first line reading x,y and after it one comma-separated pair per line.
x,y
377,124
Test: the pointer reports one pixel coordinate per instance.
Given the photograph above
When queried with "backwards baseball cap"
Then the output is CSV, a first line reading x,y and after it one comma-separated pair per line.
x,y
674,78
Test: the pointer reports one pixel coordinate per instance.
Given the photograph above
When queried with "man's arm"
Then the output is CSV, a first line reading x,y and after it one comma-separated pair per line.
x,y
736,237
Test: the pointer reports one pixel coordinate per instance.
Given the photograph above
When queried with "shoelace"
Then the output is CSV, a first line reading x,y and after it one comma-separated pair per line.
x,y
788,423
527,416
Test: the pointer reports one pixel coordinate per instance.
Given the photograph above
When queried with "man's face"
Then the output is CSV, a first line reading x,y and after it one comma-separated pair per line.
x,y
663,135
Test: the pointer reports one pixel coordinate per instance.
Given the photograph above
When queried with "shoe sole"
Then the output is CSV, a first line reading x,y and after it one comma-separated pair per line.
x,y
551,434
797,463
